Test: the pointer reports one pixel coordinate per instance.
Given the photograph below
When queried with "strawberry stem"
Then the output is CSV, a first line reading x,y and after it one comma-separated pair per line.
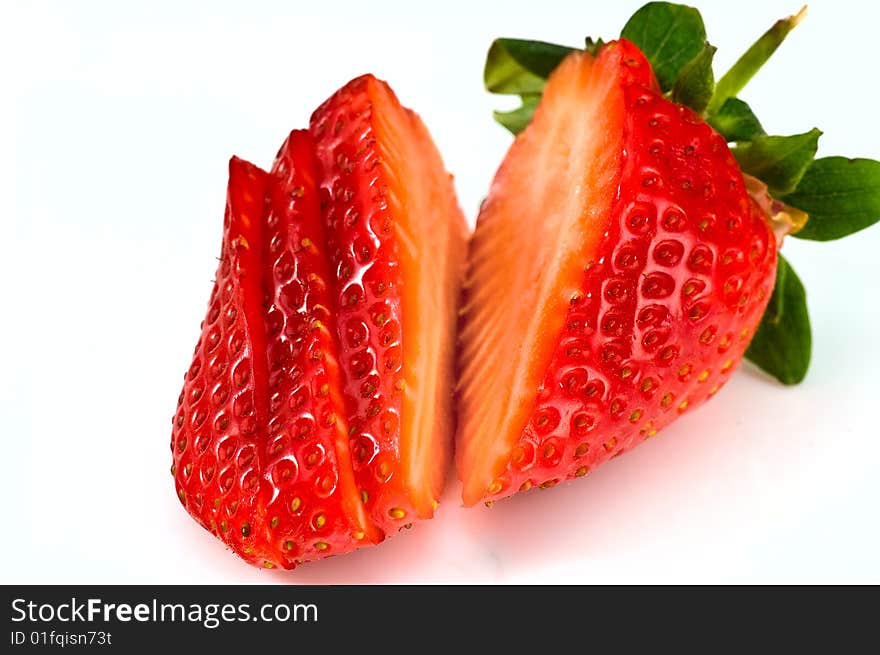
x,y
750,63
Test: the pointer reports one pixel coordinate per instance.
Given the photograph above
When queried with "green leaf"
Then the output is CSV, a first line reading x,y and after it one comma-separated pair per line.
x,y
840,195
518,119
783,341
778,161
669,35
695,85
736,122
518,67
750,63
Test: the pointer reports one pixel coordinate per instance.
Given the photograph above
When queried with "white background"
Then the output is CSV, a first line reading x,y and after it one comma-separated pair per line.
x,y
123,116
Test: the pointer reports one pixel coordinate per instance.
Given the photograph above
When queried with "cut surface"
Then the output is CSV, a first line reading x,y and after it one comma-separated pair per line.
x,y
396,239
431,236
546,212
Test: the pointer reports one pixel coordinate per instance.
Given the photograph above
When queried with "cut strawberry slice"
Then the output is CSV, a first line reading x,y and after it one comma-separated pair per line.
x,y
310,503
396,240
617,272
219,416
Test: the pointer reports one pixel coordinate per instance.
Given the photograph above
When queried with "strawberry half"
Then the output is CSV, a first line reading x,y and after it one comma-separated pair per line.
x,y
316,416
625,260
618,269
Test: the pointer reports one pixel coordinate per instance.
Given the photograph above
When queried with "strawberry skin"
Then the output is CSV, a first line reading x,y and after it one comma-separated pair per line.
x,y
219,417
310,505
665,268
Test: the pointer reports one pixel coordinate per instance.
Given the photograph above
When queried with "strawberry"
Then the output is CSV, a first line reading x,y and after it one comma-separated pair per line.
x,y
623,260
316,415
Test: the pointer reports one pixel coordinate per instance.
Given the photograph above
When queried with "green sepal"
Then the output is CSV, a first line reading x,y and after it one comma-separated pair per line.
x,y
695,85
521,67
669,35
782,344
735,121
778,161
840,196
518,119
593,46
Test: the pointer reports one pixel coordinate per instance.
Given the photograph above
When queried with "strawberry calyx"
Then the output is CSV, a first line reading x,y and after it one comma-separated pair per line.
x,y
783,219
819,199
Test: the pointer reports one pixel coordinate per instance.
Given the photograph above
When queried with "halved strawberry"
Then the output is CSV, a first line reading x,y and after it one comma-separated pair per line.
x,y
396,242
618,270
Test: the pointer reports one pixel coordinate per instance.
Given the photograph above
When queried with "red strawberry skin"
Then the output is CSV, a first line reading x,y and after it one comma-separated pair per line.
x,y
218,418
671,294
368,282
260,441
310,506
